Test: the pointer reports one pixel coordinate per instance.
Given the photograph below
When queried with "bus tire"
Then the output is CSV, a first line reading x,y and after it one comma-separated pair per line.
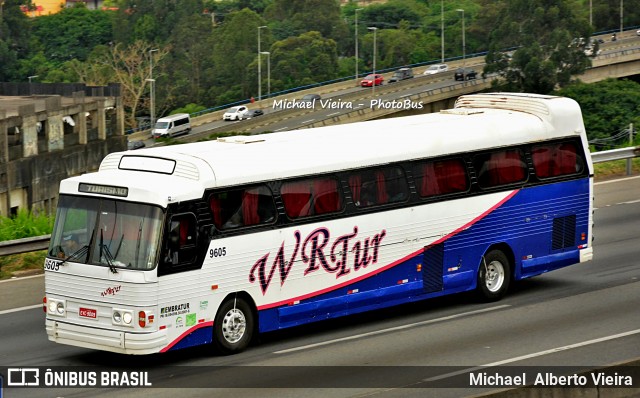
x,y
494,275
233,326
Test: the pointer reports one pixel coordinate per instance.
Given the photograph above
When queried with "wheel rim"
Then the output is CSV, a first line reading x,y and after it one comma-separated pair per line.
x,y
494,276
234,324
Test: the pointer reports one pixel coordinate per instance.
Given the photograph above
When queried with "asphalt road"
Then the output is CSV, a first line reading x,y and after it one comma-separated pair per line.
x,y
579,317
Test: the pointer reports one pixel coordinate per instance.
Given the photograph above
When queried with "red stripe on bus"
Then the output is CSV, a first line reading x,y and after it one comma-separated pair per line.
x,y
185,334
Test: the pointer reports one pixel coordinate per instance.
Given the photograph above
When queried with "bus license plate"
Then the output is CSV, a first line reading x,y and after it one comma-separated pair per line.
x,y
88,313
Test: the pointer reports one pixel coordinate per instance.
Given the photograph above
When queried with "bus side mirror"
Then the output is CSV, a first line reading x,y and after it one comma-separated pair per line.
x,y
174,236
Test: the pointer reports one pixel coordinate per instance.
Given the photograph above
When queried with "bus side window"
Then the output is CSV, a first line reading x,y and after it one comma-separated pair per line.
x,y
553,160
182,238
242,207
311,197
500,168
378,187
441,177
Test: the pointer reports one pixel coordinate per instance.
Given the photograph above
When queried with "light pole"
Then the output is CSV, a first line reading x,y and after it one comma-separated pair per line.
x,y
152,89
442,31
30,87
464,47
357,9
268,54
621,15
260,64
1,8
375,50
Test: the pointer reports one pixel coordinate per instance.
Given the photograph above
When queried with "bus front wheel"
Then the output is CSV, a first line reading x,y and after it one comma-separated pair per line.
x,y
233,326
494,275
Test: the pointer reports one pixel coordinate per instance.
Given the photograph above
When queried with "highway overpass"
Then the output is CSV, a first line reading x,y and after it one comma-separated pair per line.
x,y
617,59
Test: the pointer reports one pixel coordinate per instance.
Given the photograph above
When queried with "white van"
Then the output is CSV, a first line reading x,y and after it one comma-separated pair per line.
x,y
173,125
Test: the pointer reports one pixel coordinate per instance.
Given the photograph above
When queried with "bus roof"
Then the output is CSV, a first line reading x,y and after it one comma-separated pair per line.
x,y
182,172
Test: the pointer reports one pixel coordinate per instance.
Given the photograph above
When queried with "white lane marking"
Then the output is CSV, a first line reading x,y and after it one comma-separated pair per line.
x,y
535,354
394,329
29,307
616,180
308,121
22,277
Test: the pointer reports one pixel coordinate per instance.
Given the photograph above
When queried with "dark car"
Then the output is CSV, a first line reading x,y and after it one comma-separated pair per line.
x,y
253,113
401,74
135,145
310,98
465,74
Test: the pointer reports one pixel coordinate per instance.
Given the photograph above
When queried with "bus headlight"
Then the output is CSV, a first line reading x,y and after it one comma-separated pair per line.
x,y
56,307
122,317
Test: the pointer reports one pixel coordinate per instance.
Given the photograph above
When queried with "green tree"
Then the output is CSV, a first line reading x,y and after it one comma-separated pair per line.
x,y
236,47
72,33
307,15
391,13
151,21
15,35
608,107
184,70
306,59
543,30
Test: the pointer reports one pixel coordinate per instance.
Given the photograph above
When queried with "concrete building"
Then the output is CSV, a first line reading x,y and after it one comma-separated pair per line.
x,y
49,132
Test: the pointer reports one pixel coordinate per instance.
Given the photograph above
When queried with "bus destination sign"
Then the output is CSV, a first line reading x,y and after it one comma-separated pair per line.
x,y
103,189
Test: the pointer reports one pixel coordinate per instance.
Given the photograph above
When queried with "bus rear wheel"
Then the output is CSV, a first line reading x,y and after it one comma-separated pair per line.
x,y
494,275
233,326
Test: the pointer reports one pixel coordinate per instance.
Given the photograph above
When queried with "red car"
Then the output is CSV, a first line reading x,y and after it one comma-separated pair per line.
x,y
371,80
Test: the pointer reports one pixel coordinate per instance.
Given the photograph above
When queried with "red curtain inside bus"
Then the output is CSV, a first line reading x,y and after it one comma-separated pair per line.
x,y
296,197
443,177
326,196
555,160
505,167
250,201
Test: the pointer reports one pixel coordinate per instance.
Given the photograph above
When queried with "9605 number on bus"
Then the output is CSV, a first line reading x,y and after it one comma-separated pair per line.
x,y
51,265
218,252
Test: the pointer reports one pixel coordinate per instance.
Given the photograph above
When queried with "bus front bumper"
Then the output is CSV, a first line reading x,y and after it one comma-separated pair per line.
x,y
106,340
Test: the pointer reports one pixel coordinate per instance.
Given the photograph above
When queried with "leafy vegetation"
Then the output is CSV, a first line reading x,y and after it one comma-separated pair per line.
x,y
24,225
608,107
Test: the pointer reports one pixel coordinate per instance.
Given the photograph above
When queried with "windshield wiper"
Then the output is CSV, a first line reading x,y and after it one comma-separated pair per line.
x,y
107,254
138,242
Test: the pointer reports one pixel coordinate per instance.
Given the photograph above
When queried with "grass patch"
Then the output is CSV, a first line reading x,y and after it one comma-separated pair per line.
x,y
616,168
20,264
25,224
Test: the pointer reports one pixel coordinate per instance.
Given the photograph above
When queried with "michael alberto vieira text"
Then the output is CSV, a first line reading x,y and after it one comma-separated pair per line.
x,y
547,379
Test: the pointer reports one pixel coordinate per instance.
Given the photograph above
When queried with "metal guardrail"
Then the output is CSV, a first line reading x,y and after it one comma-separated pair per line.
x,y
36,243
615,154
24,245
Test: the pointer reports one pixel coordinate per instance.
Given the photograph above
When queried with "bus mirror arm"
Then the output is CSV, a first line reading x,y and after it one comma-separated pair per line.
x,y
174,241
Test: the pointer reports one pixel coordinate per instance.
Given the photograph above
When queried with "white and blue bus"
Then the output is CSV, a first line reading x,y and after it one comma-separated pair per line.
x,y
214,242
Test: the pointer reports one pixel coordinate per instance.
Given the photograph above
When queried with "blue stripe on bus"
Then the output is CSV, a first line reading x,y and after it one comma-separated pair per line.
x,y
524,223
200,334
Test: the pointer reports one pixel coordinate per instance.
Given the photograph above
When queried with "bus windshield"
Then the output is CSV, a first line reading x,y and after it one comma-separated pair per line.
x,y
106,232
